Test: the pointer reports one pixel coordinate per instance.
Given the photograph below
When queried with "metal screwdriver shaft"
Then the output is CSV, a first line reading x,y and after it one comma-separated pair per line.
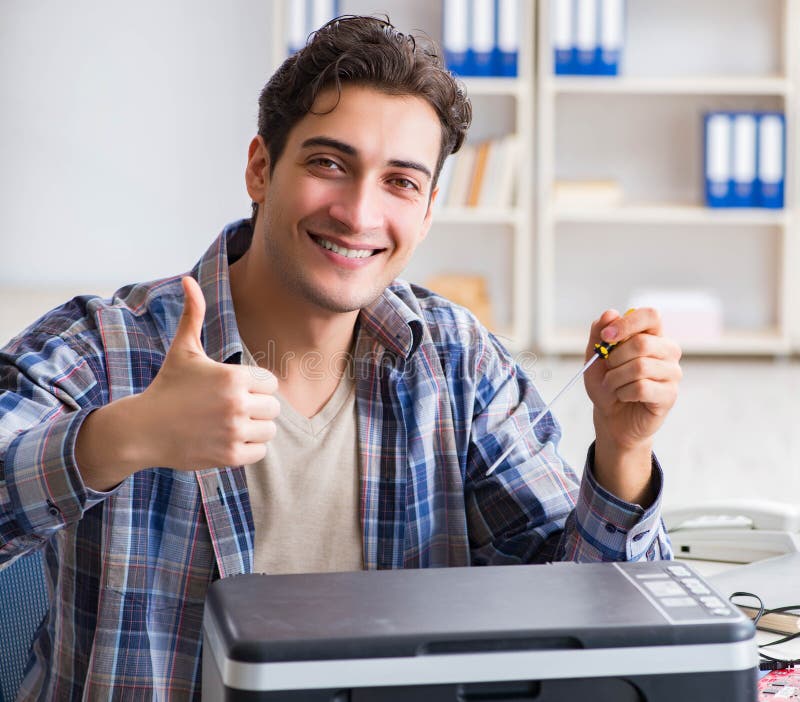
x,y
600,350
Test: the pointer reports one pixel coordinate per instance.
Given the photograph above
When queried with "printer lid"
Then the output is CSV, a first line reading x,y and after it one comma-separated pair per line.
x,y
330,616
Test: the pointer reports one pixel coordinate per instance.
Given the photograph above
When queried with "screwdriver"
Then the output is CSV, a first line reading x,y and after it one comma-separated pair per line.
x,y
600,351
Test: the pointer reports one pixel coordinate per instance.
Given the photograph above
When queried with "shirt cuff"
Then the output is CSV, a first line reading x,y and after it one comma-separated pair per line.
x,y
45,487
619,530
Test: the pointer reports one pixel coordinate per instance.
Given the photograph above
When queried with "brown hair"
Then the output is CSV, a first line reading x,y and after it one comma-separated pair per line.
x,y
368,51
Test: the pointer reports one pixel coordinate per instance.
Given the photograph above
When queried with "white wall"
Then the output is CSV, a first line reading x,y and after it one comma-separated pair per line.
x,y
124,129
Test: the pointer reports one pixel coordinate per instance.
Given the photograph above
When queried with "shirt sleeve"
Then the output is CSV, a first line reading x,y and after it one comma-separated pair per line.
x,y
47,389
534,508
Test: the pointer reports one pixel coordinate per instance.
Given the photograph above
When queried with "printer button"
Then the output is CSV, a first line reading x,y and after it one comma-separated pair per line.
x,y
720,611
712,602
679,571
678,602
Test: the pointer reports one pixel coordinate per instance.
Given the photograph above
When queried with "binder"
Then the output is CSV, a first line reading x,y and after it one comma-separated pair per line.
x,y
586,37
744,160
456,36
771,160
307,16
563,49
322,12
507,52
718,173
298,26
482,37
612,26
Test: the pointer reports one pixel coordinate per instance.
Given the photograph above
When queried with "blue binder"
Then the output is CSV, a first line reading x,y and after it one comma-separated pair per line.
x,y
563,32
612,36
771,160
456,36
745,157
586,37
305,17
507,44
718,129
482,33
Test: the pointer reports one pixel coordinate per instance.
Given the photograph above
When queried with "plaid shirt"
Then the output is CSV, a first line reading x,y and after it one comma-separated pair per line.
x,y
438,400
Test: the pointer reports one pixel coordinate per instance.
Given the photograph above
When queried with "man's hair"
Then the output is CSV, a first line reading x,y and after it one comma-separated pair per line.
x,y
366,51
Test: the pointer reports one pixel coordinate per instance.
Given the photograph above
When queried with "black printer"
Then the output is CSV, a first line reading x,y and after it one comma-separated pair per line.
x,y
602,632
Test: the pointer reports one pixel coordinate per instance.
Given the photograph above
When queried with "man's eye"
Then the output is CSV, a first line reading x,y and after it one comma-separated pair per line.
x,y
325,163
406,184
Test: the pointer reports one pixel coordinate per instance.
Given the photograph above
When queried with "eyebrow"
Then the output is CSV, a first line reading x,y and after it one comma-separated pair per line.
x,y
352,151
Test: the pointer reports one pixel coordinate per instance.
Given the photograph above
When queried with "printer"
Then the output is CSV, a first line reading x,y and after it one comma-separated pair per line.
x,y
605,632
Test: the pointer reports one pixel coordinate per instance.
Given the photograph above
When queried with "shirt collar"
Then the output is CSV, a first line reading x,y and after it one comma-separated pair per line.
x,y
389,320
220,331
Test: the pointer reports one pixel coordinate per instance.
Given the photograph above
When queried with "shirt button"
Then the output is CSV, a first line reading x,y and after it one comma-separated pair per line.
x,y
610,528
638,537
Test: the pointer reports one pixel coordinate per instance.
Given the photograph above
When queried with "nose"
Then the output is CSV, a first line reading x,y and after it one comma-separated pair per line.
x,y
359,207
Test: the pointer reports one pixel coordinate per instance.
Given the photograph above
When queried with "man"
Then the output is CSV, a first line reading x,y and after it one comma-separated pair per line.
x,y
290,406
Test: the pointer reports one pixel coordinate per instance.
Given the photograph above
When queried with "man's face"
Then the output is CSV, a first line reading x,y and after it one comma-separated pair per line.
x,y
349,198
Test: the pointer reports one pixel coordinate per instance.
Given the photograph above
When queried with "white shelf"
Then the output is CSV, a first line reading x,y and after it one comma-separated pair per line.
x,y
654,150
496,86
768,342
476,215
670,214
630,85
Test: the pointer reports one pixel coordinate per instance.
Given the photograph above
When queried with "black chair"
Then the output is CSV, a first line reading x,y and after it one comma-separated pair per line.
x,y
23,604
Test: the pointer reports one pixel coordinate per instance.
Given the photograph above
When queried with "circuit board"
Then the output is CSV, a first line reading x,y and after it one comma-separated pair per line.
x,y
780,685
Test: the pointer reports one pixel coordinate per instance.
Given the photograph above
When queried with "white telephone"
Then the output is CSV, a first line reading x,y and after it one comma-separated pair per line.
x,y
737,531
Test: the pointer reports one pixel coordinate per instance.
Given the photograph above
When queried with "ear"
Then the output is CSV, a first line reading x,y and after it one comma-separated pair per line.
x,y
256,175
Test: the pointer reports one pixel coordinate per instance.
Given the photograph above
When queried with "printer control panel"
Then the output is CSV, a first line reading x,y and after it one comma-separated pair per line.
x,y
678,592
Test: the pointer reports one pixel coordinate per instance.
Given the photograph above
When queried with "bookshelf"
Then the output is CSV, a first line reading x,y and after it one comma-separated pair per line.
x,y
643,129
493,242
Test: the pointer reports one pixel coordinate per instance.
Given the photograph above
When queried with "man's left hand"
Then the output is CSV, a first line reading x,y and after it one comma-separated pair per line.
x,y
632,391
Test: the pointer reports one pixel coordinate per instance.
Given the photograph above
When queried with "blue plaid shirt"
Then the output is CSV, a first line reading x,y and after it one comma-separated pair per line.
x,y
438,400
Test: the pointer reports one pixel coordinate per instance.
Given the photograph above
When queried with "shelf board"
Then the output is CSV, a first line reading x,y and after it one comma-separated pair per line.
x,y
671,214
495,86
473,215
766,342
719,85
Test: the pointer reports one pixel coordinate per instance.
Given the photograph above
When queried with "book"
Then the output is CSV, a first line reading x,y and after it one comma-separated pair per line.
x,y
478,172
462,176
775,580
587,193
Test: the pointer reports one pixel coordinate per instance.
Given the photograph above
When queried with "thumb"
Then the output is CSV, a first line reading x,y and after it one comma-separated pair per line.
x,y
187,336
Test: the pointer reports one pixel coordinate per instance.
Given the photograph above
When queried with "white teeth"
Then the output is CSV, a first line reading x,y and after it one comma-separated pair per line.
x,y
342,251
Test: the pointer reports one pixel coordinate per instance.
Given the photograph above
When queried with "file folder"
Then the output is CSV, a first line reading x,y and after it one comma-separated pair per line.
x,y
612,25
718,146
305,17
298,26
456,35
586,36
507,37
771,157
563,49
482,37
744,160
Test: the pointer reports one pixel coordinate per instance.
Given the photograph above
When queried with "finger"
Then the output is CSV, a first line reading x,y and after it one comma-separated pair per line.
x,y
261,381
644,345
190,326
598,325
650,392
641,320
642,368
260,431
263,407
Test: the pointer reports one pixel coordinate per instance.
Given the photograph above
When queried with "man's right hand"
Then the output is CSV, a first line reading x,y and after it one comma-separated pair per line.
x,y
197,413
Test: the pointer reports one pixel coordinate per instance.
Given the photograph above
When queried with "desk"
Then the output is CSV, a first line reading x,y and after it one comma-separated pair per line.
x,y
789,650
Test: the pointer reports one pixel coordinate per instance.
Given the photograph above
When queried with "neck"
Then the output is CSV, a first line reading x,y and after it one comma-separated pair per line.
x,y
286,334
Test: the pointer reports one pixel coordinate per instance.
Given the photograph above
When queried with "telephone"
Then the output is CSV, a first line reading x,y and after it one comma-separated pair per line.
x,y
736,531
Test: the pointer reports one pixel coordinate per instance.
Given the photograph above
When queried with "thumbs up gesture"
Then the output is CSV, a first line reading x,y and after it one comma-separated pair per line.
x,y
203,413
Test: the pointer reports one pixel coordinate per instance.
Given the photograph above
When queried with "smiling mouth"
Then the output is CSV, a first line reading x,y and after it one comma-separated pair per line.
x,y
341,250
